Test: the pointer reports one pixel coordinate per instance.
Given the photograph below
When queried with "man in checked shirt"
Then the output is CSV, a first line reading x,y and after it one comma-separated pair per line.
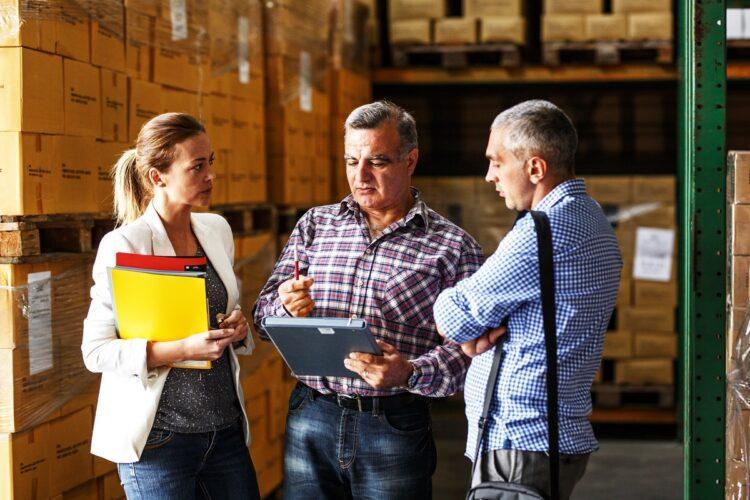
x,y
381,255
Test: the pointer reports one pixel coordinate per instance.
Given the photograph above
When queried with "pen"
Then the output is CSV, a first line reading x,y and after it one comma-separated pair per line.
x,y
296,263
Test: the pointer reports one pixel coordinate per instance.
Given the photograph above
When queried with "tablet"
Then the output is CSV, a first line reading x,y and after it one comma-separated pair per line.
x,y
318,346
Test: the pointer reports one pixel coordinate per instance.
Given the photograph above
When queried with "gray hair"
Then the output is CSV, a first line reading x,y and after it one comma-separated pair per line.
x,y
539,127
370,116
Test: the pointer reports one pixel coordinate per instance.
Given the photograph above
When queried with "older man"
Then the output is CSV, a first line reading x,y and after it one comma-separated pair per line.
x,y
382,255
531,154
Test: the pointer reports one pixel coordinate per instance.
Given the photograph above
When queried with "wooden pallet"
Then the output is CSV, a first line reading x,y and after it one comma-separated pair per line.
x,y
607,53
738,49
633,396
247,219
24,236
457,56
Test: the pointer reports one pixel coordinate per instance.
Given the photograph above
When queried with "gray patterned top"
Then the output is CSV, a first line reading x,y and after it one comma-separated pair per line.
x,y
201,400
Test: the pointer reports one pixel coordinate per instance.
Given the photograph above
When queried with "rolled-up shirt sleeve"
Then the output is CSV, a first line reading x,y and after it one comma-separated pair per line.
x,y
483,301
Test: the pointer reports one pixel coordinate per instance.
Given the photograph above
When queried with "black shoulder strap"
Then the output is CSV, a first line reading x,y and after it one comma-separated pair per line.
x,y
547,284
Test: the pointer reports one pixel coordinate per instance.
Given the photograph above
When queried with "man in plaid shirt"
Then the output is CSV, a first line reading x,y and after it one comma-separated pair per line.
x,y
381,255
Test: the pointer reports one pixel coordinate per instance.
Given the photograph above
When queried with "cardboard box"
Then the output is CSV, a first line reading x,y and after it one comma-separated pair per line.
x,y
618,345
661,319
30,163
739,178
110,487
456,30
650,26
740,230
654,215
736,317
182,101
627,6
502,29
27,398
740,281
563,28
606,27
24,465
139,30
108,154
648,189
71,463
625,296
78,175
415,9
573,6
114,107
491,8
610,190
182,63
108,35
31,91
23,30
411,31
144,103
645,371
219,121
654,293
72,27
655,345
83,113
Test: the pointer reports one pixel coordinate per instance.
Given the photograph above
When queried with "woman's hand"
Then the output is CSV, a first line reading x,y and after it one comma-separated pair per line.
x,y
207,346
236,321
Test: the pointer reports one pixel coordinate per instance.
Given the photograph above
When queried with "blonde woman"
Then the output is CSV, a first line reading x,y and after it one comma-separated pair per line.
x,y
174,433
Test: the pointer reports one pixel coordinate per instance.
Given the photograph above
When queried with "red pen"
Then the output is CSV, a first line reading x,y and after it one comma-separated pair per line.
x,y
296,263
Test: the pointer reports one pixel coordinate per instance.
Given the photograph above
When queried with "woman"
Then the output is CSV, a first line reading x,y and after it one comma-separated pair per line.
x,y
175,433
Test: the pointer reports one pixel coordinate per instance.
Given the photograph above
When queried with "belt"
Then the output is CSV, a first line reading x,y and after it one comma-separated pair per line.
x,y
369,404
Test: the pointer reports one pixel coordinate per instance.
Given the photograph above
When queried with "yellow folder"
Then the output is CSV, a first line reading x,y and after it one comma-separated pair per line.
x,y
159,306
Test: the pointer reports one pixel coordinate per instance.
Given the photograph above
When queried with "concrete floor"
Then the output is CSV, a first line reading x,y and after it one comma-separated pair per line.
x,y
620,470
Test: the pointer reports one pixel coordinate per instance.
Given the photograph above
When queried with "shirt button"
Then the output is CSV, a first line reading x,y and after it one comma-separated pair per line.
x,y
360,283
368,251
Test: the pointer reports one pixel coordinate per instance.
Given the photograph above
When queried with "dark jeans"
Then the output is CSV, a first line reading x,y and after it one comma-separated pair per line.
x,y
176,466
337,453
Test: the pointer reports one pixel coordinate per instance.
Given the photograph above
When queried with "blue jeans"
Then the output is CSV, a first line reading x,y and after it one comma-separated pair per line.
x,y
337,453
176,466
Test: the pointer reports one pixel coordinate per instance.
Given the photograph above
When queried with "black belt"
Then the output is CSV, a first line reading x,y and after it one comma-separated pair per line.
x,y
369,404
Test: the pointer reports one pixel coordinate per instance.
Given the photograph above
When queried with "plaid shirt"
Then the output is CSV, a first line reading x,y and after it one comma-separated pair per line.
x,y
391,281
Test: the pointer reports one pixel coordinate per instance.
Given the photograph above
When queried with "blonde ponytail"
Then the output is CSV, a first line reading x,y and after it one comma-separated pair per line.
x,y
131,195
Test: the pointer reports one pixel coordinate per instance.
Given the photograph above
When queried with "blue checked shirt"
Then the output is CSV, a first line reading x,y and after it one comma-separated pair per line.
x,y
587,275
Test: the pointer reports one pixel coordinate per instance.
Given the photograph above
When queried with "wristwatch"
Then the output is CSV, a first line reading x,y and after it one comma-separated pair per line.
x,y
412,382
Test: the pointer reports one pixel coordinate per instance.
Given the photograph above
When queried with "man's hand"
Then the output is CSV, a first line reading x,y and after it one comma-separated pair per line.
x,y
483,343
382,372
295,295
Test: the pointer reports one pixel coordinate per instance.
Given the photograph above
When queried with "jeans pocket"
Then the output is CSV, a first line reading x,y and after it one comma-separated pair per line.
x,y
297,399
158,438
407,421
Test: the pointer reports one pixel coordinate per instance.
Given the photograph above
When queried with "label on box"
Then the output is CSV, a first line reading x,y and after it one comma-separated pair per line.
x,y
653,254
305,81
178,13
39,314
243,49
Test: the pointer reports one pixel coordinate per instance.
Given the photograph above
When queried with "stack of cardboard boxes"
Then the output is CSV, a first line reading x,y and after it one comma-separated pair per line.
x,y
412,21
738,283
350,82
643,341
585,20
297,112
78,79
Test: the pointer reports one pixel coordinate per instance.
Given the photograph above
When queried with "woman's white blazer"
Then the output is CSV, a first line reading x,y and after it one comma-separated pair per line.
x,y
129,393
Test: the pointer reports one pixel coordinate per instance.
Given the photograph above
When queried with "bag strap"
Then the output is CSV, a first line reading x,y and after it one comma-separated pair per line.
x,y
547,285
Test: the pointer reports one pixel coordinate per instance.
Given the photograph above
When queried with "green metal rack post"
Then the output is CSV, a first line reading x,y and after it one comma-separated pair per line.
x,y
702,174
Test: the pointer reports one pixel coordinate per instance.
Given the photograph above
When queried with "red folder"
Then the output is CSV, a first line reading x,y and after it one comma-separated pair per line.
x,y
160,262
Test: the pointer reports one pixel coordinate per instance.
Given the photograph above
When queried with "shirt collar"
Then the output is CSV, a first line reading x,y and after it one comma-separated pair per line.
x,y
419,210
571,187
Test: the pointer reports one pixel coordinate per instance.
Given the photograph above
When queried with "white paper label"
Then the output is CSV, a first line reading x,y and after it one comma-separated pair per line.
x,y
39,314
178,12
305,81
654,248
243,50
326,331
